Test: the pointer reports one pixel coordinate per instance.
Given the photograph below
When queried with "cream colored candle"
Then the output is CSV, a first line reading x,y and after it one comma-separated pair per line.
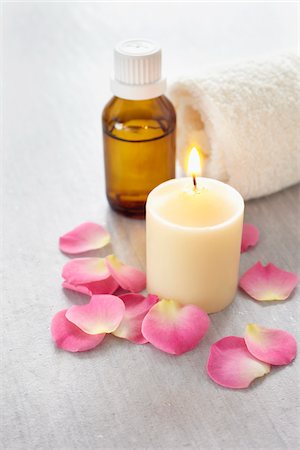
x,y
193,242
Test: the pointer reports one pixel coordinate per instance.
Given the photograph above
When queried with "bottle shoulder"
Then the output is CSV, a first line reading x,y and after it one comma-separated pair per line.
x,y
119,108
126,118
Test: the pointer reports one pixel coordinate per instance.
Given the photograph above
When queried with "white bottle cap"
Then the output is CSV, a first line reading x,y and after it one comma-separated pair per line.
x,y
137,70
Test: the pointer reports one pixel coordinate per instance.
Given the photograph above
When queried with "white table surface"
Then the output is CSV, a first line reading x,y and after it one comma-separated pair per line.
x,y
57,62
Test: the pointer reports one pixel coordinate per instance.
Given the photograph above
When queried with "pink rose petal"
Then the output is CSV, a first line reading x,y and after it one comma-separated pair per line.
x,y
85,237
136,307
173,328
268,283
231,365
129,278
71,338
102,314
81,288
107,286
85,270
276,347
250,236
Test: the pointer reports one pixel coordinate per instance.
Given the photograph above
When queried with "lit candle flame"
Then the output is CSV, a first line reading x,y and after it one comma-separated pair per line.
x,y
194,165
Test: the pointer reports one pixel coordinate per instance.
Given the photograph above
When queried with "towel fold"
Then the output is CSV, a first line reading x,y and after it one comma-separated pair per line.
x,y
245,119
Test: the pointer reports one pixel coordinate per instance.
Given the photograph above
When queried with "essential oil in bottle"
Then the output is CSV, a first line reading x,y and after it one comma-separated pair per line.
x,y
138,128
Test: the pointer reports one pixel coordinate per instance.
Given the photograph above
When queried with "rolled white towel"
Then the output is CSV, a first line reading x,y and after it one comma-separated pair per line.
x,y
246,119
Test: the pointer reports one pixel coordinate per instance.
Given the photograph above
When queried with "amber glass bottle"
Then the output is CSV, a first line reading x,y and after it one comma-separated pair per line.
x,y
138,129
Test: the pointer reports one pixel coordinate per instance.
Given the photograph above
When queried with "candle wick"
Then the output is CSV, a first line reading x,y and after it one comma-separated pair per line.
x,y
194,182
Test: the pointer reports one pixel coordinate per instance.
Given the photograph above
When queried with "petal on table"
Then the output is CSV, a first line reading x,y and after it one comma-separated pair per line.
x,y
107,286
102,314
173,328
85,270
85,237
136,307
83,289
273,346
250,236
266,283
128,277
69,337
231,365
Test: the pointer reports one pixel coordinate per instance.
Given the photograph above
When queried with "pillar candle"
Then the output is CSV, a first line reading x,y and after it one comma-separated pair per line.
x,y
193,241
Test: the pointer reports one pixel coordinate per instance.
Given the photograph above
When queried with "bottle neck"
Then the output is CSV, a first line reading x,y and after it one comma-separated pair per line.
x,y
138,92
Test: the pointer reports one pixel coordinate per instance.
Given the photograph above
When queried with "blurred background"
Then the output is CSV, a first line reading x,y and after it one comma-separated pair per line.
x,y
66,47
